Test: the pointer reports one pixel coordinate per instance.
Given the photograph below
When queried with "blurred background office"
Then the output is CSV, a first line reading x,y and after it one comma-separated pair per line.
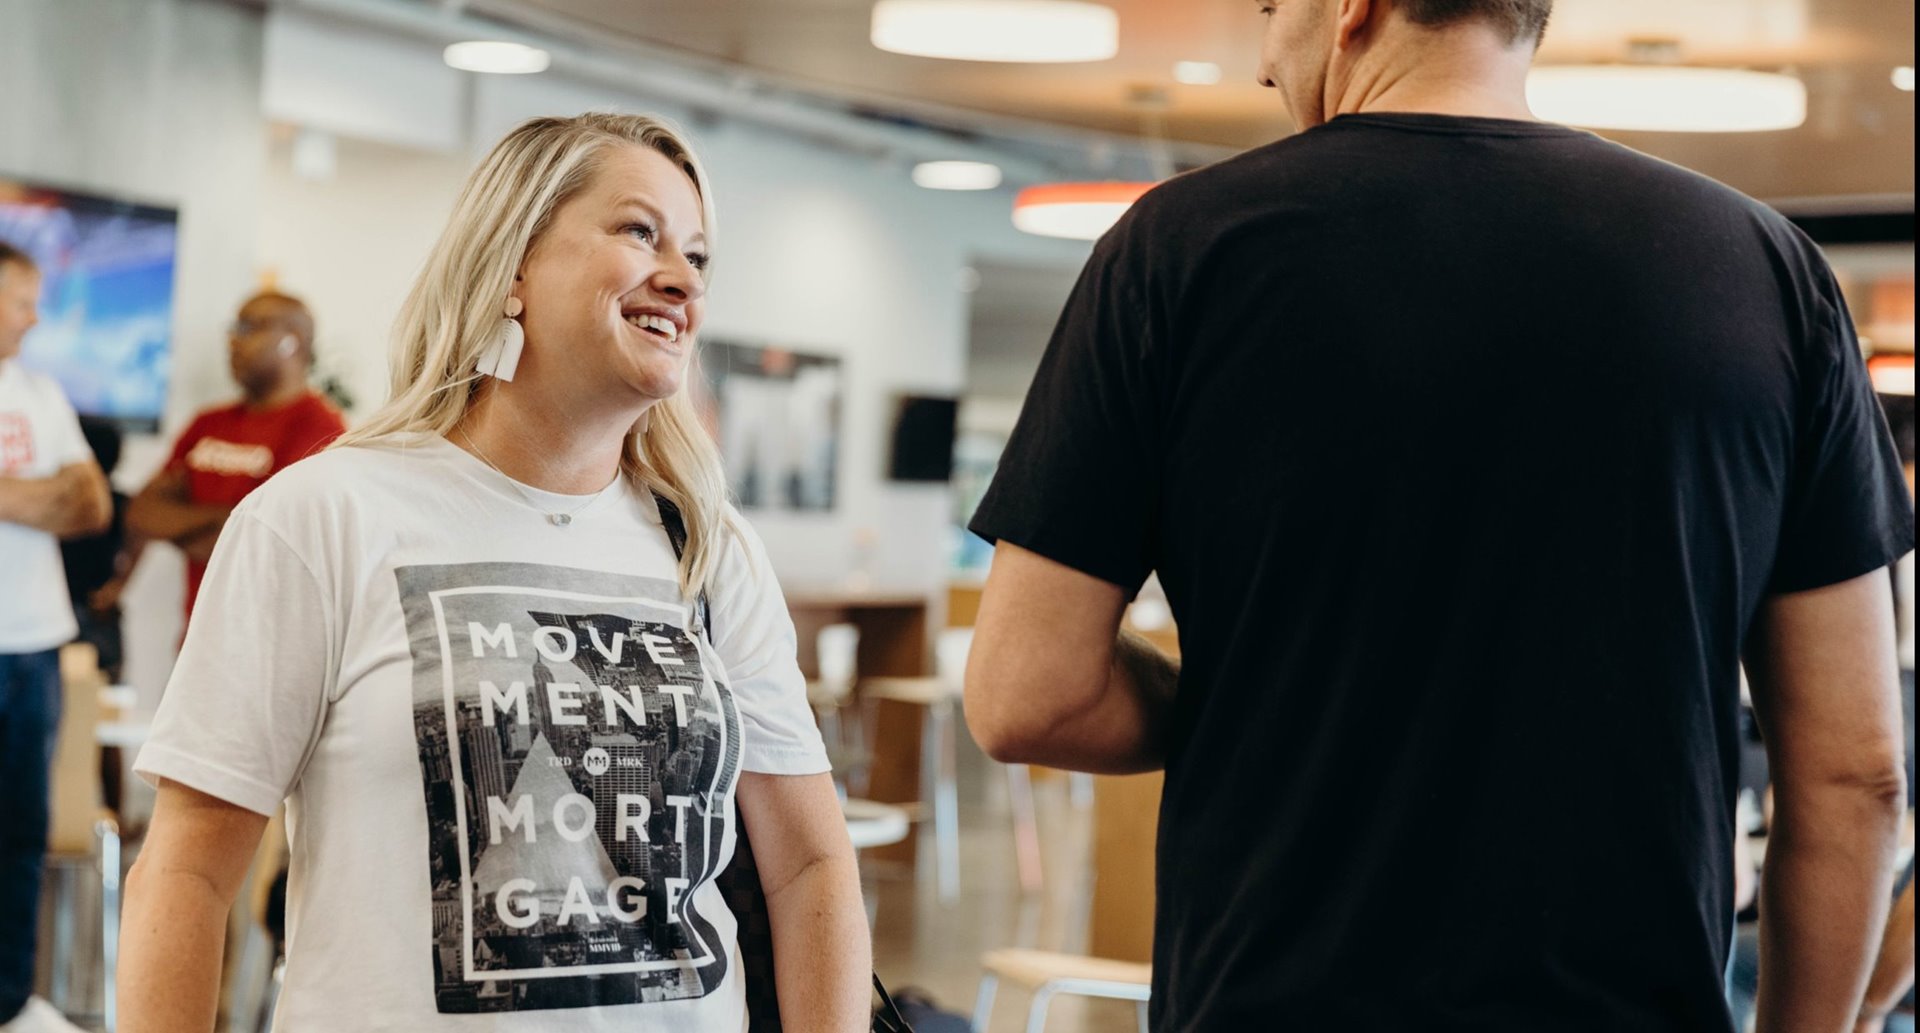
x,y
904,204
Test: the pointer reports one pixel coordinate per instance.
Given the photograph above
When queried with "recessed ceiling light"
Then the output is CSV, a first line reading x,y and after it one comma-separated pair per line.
x,y
997,30
1667,99
496,57
956,175
1197,73
1075,211
1903,78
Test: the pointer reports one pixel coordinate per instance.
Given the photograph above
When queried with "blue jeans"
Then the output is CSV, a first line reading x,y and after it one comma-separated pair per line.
x,y
29,721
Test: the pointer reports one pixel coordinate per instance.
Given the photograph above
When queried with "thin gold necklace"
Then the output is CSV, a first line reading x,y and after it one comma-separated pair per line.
x,y
557,519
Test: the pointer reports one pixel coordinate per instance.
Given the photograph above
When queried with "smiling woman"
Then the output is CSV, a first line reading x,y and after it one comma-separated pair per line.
x,y
510,634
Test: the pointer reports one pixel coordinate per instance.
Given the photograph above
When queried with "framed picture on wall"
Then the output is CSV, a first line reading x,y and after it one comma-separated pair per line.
x,y
776,414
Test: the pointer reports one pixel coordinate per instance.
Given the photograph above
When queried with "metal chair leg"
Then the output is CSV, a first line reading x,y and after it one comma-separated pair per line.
x,y
946,800
271,1003
983,1003
1026,826
109,832
61,988
1080,790
1037,1014
1141,1010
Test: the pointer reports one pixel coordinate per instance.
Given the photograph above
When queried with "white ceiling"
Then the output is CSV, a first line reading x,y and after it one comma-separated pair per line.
x,y
1858,138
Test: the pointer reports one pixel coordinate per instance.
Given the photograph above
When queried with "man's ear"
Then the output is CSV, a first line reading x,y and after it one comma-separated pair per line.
x,y
1352,21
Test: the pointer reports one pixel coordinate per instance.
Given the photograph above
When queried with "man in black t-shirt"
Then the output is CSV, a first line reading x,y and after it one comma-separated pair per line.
x,y
1473,453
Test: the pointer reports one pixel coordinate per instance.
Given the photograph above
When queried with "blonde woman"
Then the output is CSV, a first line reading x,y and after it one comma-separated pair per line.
x,y
463,649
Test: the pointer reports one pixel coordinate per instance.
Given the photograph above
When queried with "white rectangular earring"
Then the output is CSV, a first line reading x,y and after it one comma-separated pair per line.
x,y
502,356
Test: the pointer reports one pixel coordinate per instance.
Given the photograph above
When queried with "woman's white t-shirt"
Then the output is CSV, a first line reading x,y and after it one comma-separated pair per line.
x,y
508,759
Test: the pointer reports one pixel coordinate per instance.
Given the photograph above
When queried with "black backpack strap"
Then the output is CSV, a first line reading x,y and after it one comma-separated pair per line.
x,y
739,883
676,527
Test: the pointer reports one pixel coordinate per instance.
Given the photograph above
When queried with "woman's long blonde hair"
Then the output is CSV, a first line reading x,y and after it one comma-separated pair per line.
x,y
455,308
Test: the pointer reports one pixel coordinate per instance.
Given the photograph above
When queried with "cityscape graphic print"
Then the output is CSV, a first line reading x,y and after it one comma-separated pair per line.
x,y
578,759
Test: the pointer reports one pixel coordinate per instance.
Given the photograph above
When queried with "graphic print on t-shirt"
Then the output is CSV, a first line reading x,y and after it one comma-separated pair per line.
x,y
16,442
578,758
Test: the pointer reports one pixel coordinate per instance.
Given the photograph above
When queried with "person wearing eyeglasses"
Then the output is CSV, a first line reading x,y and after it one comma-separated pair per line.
x,y
229,450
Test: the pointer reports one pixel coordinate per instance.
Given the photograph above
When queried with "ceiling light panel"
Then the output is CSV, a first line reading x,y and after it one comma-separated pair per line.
x,y
496,57
1025,31
956,175
1670,99
1197,73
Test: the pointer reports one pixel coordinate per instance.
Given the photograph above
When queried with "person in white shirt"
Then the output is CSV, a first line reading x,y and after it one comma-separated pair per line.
x,y
511,721
50,488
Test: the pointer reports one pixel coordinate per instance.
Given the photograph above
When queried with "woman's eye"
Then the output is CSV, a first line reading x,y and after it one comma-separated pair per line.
x,y
639,229
698,261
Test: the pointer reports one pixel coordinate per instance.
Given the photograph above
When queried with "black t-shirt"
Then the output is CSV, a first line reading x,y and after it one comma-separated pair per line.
x,y
1465,450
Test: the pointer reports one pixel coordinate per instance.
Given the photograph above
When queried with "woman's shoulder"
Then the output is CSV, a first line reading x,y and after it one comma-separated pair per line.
x,y
338,480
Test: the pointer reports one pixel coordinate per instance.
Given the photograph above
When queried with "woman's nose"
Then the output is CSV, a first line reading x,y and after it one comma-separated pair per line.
x,y
679,278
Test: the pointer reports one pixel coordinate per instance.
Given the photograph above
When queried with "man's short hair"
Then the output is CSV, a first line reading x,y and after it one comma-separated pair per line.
x,y
1519,19
295,312
10,255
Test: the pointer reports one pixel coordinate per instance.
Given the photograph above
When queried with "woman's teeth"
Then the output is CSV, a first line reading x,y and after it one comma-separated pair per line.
x,y
658,324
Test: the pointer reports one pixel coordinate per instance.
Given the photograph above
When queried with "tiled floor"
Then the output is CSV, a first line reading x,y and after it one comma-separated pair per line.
x,y
919,942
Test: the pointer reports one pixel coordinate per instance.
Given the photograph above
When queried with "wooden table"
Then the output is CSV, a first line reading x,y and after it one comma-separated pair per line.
x,y
894,643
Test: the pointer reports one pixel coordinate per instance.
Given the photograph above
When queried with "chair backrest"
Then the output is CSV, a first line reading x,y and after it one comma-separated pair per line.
x,y
837,649
950,655
76,760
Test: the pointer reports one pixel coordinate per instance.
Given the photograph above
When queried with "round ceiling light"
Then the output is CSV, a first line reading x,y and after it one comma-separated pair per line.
x,y
956,175
1075,211
495,57
997,30
1197,73
1667,99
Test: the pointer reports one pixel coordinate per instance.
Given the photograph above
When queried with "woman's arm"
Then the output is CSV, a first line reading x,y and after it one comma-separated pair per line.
x,y
173,925
822,958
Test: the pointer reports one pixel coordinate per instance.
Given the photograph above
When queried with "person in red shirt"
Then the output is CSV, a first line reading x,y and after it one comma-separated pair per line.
x,y
228,451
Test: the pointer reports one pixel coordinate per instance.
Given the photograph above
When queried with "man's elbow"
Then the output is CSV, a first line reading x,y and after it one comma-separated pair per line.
x,y
1874,783
1005,740
89,514
99,517
1014,720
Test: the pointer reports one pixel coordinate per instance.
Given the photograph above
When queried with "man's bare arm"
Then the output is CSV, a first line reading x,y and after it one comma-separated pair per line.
x,y
1051,678
1825,688
163,512
72,503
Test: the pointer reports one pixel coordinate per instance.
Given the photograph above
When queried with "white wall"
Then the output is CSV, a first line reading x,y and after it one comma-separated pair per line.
x,y
819,250
350,247
154,100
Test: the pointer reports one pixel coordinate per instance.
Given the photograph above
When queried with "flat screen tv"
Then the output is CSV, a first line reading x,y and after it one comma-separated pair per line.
x,y
106,297
923,432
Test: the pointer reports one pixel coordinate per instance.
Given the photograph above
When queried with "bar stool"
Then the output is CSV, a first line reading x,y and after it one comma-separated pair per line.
x,y
836,653
83,838
871,824
941,695
1047,974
